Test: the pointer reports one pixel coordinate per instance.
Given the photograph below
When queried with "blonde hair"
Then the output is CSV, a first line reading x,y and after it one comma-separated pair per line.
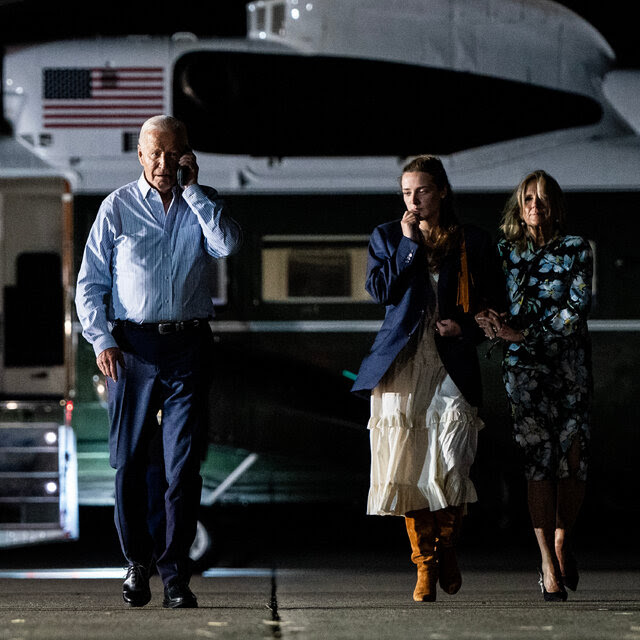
x,y
549,191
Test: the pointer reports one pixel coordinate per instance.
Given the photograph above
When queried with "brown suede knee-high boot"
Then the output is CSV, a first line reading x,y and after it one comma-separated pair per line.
x,y
448,523
421,527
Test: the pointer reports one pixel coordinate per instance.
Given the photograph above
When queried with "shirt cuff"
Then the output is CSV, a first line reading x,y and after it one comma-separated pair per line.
x,y
105,342
195,194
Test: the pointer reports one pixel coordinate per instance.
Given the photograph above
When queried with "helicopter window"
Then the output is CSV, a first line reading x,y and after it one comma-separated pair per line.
x,y
314,271
286,105
34,314
129,141
277,19
260,18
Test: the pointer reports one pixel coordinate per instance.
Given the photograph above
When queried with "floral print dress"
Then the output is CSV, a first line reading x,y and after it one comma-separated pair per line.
x,y
547,376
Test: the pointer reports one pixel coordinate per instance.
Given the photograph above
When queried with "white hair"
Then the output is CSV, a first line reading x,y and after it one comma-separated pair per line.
x,y
164,123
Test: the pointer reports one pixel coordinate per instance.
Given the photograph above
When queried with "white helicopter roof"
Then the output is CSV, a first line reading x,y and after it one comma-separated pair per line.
x,y
537,41
534,46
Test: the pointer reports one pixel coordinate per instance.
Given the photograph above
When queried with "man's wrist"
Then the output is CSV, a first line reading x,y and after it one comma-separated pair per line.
x,y
104,343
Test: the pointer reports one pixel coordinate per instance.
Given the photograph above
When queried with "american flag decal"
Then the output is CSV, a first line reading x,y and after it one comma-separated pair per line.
x,y
96,98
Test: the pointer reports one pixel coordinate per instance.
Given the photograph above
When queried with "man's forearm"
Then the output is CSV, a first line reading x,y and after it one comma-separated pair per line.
x,y
222,233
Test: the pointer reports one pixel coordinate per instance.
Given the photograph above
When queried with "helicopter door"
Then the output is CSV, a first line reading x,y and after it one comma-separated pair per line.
x,y
35,228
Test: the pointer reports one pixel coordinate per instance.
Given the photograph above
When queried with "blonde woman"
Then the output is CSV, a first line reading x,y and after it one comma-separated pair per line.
x,y
547,365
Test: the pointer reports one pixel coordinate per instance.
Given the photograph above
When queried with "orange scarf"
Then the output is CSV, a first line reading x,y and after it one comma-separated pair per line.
x,y
464,278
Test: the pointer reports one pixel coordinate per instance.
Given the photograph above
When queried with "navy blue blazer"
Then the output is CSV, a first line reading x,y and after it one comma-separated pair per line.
x,y
397,276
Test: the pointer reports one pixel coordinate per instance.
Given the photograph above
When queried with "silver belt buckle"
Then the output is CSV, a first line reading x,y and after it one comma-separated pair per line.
x,y
164,328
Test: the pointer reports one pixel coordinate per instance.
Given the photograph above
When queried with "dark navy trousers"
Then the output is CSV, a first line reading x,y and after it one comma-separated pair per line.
x,y
157,458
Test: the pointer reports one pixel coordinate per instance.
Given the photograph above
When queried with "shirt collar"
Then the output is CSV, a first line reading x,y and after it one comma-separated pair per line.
x,y
145,187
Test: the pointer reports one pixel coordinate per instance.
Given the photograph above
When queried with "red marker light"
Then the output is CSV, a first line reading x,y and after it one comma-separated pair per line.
x,y
68,410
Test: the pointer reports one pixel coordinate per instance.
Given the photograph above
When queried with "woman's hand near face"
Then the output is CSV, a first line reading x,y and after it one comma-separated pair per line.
x,y
411,226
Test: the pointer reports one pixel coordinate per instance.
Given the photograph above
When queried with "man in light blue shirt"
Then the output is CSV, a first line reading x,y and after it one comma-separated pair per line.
x,y
143,301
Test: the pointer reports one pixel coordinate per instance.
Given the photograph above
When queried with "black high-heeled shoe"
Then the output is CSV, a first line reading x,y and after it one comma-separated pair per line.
x,y
571,577
551,596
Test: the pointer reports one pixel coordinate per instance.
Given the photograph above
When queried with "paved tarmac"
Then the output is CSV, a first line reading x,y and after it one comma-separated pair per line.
x,y
325,603
350,579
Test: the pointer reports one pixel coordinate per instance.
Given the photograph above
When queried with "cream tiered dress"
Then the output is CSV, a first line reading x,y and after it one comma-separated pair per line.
x,y
423,433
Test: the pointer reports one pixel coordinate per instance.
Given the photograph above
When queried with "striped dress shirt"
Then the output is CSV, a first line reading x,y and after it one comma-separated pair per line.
x,y
144,265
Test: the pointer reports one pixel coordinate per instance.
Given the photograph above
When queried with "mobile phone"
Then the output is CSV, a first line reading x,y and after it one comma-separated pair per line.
x,y
181,176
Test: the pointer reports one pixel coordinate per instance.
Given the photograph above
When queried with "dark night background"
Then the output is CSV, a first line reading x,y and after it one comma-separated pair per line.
x,y
27,21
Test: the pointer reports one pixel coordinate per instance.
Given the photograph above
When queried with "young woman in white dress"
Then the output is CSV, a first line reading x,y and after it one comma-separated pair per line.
x,y
432,274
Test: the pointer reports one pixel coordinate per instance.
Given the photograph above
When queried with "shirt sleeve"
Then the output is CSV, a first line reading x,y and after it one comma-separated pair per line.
x,y
93,290
223,235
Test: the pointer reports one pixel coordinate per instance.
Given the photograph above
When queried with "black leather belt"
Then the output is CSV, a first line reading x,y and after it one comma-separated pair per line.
x,y
165,328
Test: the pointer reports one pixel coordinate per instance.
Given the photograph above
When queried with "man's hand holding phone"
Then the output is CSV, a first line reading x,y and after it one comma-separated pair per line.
x,y
187,170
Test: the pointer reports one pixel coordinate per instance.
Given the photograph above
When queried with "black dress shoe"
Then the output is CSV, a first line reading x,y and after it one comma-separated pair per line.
x,y
135,588
179,596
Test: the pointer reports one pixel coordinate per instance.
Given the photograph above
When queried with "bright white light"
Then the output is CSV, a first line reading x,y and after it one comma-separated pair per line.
x,y
308,6
12,405
118,573
51,487
9,82
51,437
262,35
295,14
